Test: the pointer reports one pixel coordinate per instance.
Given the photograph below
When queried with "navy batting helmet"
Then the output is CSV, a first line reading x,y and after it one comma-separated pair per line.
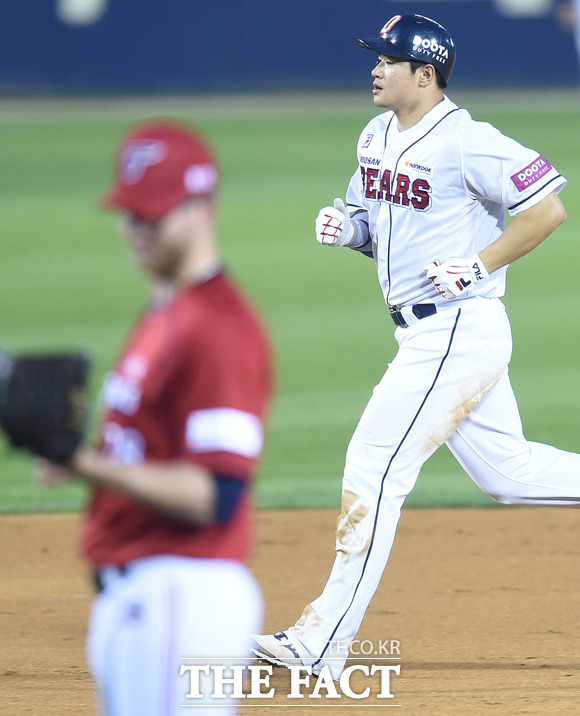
x,y
414,37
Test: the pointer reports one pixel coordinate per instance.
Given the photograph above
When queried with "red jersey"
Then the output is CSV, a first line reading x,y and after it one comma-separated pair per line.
x,y
192,384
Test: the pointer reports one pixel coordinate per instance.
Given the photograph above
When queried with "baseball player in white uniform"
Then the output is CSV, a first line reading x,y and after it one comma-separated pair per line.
x,y
428,202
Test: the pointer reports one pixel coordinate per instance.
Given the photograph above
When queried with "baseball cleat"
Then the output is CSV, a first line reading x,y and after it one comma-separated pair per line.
x,y
275,649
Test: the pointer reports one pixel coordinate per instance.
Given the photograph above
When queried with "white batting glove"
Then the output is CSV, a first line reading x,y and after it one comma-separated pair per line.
x,y
333,225
454,276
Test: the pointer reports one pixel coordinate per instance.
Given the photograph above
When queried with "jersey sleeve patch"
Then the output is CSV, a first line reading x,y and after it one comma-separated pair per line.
x,y
224,430
532,173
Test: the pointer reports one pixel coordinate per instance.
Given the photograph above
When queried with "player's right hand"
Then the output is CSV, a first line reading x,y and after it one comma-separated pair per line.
x,y
333,225
456,275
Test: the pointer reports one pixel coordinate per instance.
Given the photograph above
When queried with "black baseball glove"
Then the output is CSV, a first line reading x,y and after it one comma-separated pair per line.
x,y
43,402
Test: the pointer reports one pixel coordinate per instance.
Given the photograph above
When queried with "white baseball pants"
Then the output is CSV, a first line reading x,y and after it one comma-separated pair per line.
x,y
448,383
165,612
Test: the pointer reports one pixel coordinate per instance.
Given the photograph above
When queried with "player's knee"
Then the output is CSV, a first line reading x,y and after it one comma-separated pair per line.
x,y
354,526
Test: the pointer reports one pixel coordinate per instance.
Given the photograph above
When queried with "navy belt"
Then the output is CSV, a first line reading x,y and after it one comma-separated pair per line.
x,y
103,577
420,310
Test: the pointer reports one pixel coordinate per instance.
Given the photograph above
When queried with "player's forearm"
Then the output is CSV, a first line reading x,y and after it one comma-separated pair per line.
x,y
524,232
185,492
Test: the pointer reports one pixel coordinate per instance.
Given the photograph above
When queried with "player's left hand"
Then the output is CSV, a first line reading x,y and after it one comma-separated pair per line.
x,y
455,275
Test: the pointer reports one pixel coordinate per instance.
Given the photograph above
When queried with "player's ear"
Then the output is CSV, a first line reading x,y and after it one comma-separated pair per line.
x,y
426,75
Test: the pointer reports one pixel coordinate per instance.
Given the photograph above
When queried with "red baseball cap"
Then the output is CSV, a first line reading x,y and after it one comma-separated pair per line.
x,y
159,166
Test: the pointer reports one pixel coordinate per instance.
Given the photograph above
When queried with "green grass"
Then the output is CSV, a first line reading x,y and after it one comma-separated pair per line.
x,y
66,280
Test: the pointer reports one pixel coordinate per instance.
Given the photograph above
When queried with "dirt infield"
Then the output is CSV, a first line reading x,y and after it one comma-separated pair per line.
x,y
485,605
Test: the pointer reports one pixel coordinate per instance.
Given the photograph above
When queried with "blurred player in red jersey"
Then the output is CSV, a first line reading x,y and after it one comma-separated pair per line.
x,y
168,524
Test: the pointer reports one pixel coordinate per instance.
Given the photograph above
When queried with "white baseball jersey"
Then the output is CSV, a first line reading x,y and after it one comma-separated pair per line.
x,y
437,190
440,189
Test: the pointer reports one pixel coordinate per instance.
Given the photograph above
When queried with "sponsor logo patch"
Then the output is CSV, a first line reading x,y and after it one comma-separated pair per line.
x,y
420,168
530,174
368,140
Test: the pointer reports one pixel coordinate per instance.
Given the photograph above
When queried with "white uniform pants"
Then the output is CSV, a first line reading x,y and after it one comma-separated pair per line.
x,y
448,383
158,616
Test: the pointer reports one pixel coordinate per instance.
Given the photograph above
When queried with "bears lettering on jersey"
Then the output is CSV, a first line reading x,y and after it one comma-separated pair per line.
x,y
400,190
